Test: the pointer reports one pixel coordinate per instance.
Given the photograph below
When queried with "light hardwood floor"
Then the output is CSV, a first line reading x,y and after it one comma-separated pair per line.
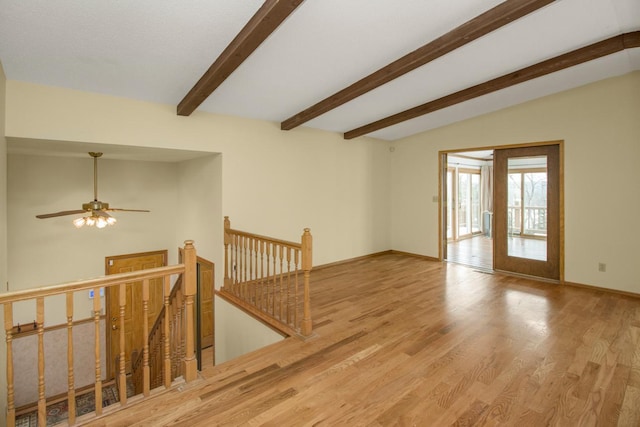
x,y
404,341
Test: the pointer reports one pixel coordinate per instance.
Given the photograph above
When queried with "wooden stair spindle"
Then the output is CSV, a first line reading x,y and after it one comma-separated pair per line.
x,y
122,375
275,281
266,285
71,388
8,329
281,292
227,259
146,379
260,304
166,333
296,261
96,321
288,308
42,401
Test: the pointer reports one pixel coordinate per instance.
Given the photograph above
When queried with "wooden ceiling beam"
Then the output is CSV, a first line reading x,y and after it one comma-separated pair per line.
x,y
270,15
471,30
570,59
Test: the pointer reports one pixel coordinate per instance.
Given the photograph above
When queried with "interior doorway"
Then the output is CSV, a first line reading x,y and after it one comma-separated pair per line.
x,y
468,208
501,209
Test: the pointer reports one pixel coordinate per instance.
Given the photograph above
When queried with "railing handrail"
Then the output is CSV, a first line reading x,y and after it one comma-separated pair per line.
x,y
188,359
88,284
269,291
292,245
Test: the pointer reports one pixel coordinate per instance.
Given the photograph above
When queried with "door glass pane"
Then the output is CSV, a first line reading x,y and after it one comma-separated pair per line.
x,y
527,207
475,203
449,203
463,204
535,203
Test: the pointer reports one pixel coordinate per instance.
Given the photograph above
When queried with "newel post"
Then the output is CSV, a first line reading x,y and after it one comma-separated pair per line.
x,y
227,242
307,245
189,288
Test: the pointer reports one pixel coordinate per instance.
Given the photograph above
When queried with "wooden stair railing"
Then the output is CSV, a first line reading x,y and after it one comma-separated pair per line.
x,y
269,278
157,344
188,362
157,341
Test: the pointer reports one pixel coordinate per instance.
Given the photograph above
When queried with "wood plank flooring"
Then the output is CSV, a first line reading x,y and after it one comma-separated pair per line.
x,y
404,341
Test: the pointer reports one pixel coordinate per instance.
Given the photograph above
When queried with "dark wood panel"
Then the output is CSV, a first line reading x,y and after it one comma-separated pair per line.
x,y
270,15
471,30
570,59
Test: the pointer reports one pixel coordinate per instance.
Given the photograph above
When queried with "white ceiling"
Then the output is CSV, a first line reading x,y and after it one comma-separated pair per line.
x,y
156,50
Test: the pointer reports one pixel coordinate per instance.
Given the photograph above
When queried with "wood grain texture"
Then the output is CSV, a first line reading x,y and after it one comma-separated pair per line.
x,y
270,15
471,30
405,341
570,59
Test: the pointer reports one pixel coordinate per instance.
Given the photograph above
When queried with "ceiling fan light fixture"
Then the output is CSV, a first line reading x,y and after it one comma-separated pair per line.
x,y
99,210
99,221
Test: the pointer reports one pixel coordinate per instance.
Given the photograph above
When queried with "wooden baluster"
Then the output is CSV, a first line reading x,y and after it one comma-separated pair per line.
x,y
236,265
268,303
71,386
180,332
227,259
261,274
96,322
167,334
250,278
254,279
244,269
281,292
288,308
296,289
158,374
190,289
155,363
42,401
175,338
307,255
122,375
239,266
172,334
275,281
8,330
146,379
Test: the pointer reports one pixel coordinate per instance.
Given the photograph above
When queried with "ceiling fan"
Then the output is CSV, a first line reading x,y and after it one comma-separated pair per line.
x,y
98,212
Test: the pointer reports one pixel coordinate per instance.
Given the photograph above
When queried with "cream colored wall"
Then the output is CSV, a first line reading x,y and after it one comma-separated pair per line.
x,y
268,181
200,210
51,251
273,182
3,235
237,333
600,124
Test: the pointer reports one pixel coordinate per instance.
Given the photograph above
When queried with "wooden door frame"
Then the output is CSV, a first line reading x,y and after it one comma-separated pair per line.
x,y
442,170
107,299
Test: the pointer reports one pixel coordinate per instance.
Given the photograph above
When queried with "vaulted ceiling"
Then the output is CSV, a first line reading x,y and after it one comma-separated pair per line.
x,y
383,68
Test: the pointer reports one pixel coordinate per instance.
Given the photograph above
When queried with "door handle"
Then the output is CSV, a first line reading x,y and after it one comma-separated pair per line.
x,y
114,327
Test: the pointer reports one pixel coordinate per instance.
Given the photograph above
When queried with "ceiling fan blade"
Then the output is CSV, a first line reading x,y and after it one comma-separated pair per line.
x,y
127,210
61,213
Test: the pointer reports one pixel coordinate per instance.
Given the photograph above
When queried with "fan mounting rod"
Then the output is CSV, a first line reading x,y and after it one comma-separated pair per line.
x,y
95,156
